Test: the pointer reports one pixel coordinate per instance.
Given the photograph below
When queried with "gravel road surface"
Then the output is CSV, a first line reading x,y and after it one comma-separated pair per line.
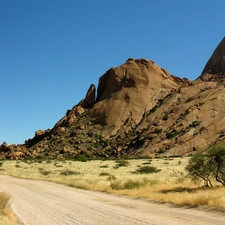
x,y
44,203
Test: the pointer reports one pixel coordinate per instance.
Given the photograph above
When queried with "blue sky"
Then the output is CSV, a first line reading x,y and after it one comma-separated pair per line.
x,y
52,50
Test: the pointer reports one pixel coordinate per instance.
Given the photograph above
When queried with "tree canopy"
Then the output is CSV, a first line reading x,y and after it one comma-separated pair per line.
x,y
207,165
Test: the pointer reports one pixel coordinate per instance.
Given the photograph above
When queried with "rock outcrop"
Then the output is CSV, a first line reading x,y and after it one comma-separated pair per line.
x,y
126,93
140,109
12,151
215,67
90,97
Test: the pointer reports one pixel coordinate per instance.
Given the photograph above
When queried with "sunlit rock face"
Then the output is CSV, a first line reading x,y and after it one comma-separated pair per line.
x,y
127,92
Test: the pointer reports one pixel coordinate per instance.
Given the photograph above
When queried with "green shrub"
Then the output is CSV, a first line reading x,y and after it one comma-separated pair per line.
x,y
172,134
104,166
147,163
194,124
161,151
147,169
121,163
104,174
98,136
81,158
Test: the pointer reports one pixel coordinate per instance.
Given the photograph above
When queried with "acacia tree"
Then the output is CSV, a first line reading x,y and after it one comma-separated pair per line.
x,y
202,166
217,160
199,167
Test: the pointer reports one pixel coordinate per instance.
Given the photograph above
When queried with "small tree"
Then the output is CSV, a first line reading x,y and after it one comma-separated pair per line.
x,y
199,167
217,160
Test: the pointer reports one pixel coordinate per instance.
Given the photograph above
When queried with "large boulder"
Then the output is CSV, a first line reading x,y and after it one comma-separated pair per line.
x,y
39,132
126,93
3,147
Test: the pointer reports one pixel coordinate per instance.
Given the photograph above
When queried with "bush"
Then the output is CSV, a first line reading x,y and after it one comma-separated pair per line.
x,y
147,163
131,184
147,169
44,172
121,163
104,174
104,166
116,185
172,134
68,172
194,124
98,136
81,158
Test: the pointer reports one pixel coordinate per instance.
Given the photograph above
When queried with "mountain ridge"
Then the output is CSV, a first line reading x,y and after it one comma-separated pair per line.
x,y
139,109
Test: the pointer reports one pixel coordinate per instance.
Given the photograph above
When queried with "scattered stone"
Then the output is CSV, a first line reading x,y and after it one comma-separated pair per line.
x,y
39,132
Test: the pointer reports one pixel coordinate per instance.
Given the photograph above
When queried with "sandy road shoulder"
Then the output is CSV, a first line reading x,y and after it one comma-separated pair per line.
x,y
39,202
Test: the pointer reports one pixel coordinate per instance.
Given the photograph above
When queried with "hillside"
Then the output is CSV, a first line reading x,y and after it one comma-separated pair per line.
x,y
139,109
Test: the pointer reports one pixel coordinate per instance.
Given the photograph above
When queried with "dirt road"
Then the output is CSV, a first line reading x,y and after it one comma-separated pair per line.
x,y
44,203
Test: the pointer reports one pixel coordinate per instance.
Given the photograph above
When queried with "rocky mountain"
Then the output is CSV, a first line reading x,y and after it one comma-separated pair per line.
x,y
139,109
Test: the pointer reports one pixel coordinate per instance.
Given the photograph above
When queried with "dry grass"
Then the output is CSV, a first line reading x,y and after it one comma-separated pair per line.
x,y
169,185
6,214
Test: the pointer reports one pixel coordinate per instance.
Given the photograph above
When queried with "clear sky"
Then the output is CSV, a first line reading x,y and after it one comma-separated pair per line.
x,y
52,50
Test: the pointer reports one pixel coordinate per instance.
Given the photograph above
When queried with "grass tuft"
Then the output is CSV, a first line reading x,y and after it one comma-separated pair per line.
x,y
130,184
4,201
6,214
104,174
44,172
67,172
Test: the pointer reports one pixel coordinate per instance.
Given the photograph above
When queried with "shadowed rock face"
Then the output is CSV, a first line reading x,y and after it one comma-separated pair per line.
x,y
127,92
215,67
89,98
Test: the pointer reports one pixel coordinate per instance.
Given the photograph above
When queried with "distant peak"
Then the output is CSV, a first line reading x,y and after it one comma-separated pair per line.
x,y
215,67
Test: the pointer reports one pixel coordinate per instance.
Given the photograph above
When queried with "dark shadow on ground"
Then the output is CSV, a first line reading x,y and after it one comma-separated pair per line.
x,y
184,189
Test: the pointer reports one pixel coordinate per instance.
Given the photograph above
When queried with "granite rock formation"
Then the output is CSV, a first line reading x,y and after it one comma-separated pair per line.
x,y
139,109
